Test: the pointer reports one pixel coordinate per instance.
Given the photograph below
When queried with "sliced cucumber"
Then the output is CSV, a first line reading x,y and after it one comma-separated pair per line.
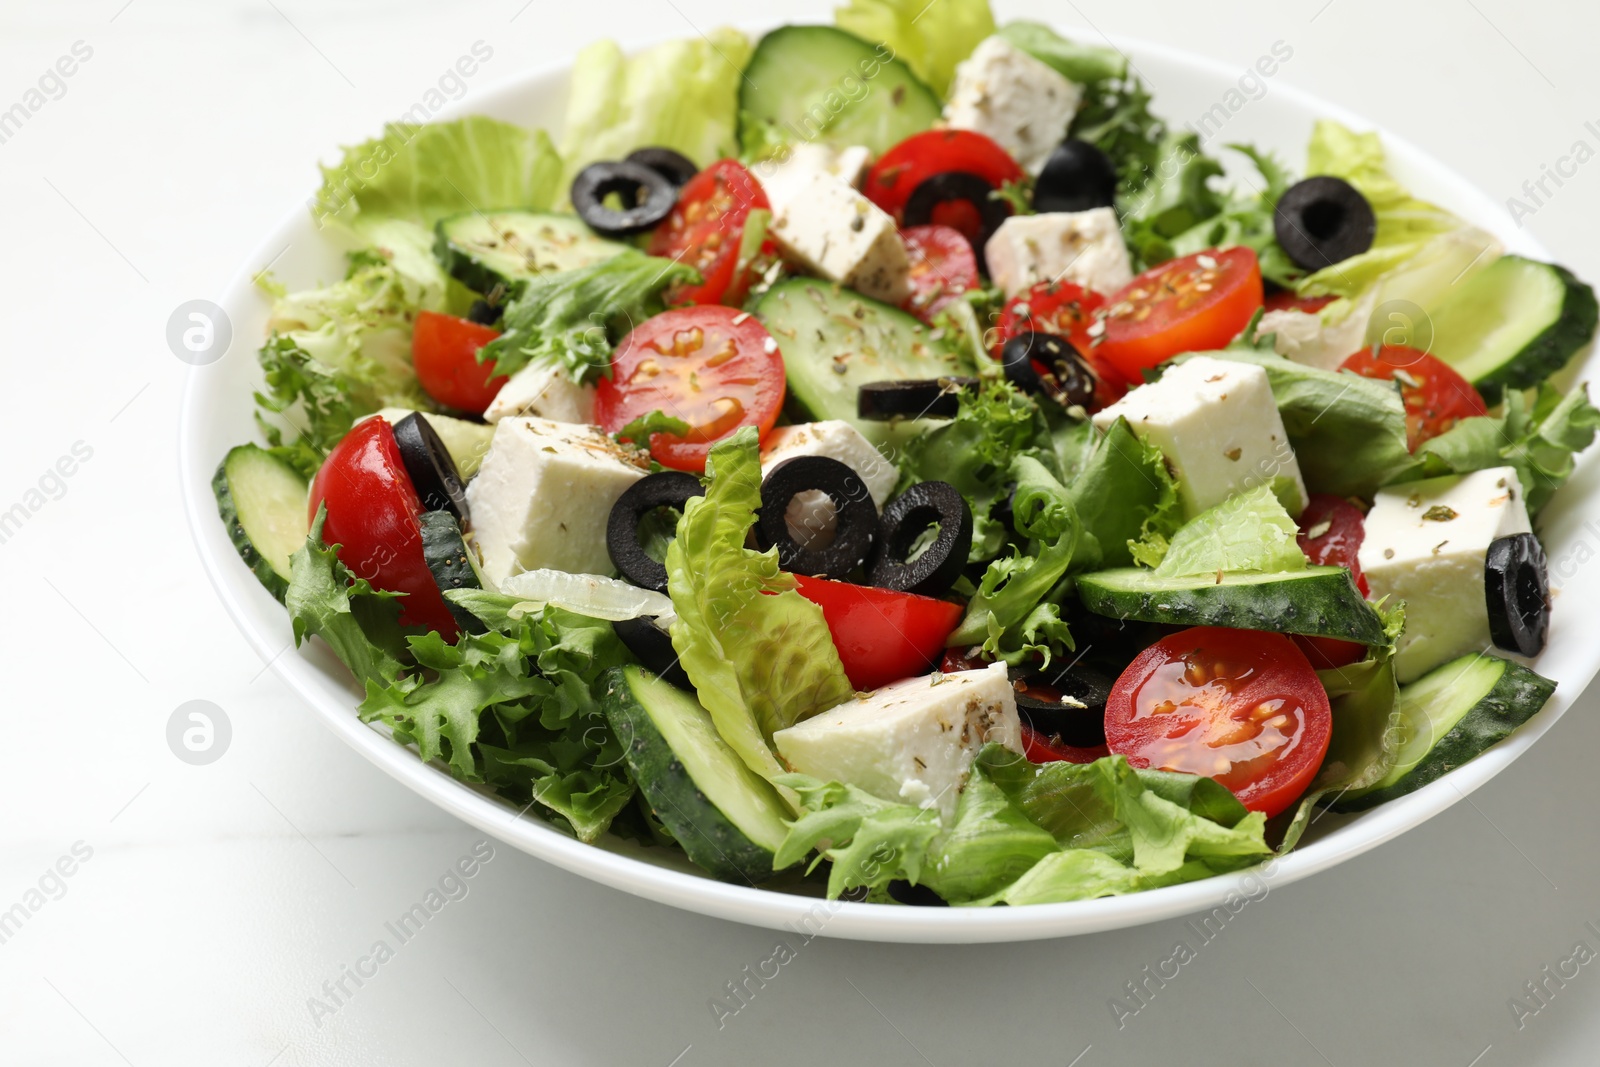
x,y
452,562
1514,323
819,83
262,501
1450,715
467,442
1318,601
728,819
506,248
834,341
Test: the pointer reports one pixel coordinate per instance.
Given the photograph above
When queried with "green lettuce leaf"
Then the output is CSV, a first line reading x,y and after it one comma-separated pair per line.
x,y
359,623
574,317
1246,219
1126,500
1080,63
1175,196
424,173
1249,533
759,654
682,95
869,842
1115,117
931,46
991,843
1539,433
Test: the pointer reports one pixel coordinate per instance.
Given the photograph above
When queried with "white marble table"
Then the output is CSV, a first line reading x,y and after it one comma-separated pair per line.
x,y
207,905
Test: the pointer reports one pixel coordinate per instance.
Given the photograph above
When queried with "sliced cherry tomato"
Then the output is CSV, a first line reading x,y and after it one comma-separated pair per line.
x,y
943,266
1241,706
1066,310
1286,300
716,368
444,350
1331,531
706,229
1436,397
1194,304
919,157
372,517
882,636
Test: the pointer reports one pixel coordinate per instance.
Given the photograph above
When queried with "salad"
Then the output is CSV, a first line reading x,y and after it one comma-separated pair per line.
x,y
888,457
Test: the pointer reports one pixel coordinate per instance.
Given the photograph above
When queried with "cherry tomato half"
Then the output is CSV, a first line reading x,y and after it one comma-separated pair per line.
x,y
882,636
372,517
895,176
1066,310
1436,397
1193,304
943,266
1241,706
716,368
444,351
706,229
1331,531
1286,300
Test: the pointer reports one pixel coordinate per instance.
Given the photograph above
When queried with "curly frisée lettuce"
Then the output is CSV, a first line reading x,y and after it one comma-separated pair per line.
x,y
759,654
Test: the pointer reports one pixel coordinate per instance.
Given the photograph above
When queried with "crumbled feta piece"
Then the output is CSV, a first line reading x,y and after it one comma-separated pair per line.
x,y
1020,103
836,233
1425,544
1082,247
1218,426
545,390
543,496
785,175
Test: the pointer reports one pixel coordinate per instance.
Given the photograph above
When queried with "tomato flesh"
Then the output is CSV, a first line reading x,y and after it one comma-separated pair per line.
x,y
716,368
1194,304
943,266
1339,528
896,175
706,229
1241,706
1435,396
882,635
372,517
444,351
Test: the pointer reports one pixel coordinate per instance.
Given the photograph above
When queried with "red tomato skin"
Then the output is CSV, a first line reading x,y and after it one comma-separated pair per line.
x,y
1066,310
896,175
1278,670
706,228
1040,749
943,266
757,364
1439,397
444,351
1286,300
882,636
1135,342
1339,547
372,517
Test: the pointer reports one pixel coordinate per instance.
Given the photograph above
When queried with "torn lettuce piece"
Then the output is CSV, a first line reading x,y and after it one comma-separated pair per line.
x,y
931,46
1248,533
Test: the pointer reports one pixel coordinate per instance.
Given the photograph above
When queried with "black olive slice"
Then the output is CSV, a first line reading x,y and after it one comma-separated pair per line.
x,y
1516,583
1067,376
664,489
954,186
1322,221
653,646
905,518
647,197
484,313
676,167
855,516
1076,177
1066,702
919,398
432,470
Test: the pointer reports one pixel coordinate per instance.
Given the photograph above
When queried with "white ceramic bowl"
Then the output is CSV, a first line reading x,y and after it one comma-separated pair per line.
x,y
217,415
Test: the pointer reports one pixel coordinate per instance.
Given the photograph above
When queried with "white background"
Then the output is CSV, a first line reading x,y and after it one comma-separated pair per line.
x,y
218,899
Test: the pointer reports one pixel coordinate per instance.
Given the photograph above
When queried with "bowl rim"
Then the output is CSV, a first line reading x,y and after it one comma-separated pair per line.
x,y
805,915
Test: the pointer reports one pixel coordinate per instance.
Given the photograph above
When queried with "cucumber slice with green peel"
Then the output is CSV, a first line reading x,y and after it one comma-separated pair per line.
x,y
727,818
262,501
506,248
834,341
820,83
1451,715
1513,324
1318,601
452,562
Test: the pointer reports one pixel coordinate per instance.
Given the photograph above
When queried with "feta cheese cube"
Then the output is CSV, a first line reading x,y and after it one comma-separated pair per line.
x,y
1082,247
783,176
1218,426
811,514
545,390
1022,104
836,233
1426,544
912,741
543,496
